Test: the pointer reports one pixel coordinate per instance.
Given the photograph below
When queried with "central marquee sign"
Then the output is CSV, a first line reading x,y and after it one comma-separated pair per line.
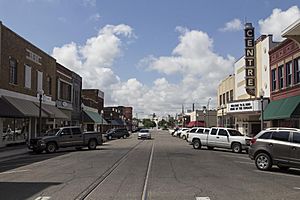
x,y
250,60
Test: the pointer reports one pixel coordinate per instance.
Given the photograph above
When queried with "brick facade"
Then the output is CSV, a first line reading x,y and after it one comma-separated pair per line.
x,y
286,52
15,47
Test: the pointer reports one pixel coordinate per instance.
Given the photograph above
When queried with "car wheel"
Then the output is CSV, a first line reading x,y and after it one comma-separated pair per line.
x,y
51,147
184,137
263,161
210,148
197,144
124,136
92,144
283,167
236,148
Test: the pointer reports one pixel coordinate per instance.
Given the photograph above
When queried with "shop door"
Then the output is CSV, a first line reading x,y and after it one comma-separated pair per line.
x,y
255,128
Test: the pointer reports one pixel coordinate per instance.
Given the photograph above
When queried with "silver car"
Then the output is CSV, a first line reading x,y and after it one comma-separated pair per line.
x,y
144,134
276,146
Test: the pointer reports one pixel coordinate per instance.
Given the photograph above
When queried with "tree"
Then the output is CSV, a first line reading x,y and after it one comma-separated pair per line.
x,y
148,123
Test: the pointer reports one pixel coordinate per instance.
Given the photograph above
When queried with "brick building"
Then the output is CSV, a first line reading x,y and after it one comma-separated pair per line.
x,y
93,101
25,72
284,110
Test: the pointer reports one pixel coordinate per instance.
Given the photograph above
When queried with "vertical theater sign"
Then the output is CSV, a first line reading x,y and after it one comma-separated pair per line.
x,y
250,60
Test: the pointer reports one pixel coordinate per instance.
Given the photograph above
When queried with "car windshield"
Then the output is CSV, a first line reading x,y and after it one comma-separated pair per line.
x,y
52,132
234,132
144,131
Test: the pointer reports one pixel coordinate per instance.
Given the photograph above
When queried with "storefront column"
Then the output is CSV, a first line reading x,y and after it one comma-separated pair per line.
x,y
1,133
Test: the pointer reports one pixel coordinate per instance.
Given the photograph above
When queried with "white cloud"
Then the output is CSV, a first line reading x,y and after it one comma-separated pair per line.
x,y
233,25
94,59
95,17
200,70
200,67
278,21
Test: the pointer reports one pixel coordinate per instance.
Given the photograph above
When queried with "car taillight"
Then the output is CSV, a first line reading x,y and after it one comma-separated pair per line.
x,y
252,141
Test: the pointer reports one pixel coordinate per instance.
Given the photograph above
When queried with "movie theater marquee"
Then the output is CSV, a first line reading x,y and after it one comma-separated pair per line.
x,y
250,59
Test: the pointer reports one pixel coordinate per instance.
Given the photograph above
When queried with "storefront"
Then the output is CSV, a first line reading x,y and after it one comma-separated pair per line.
x,y
284,112
92,120
19,119
247,115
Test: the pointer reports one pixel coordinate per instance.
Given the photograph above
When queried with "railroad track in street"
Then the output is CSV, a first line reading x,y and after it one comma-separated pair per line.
x,y
86,193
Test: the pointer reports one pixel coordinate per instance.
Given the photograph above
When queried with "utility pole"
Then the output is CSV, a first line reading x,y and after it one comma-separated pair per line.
x,y
193,107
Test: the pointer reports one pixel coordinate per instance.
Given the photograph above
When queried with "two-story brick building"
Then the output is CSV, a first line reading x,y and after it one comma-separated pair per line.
x,y
284,108
26,72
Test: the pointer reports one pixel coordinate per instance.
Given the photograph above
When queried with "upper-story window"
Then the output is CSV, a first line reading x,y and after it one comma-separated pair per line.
x,y
227,97
65,91
49,82
288,78
231,95
220,100
224,102
13,72
297,70
27,81
33,57
280,76
273,79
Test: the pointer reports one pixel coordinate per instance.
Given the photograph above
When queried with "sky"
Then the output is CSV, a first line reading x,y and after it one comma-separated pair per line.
x,y
153,55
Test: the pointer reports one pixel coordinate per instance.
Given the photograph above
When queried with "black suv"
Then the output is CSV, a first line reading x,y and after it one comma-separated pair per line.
x,y
117,133
276,146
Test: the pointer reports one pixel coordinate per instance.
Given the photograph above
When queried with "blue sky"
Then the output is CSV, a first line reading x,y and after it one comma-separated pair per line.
x,y
151,34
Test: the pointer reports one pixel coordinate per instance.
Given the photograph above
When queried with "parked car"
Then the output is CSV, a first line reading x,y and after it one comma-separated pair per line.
x,y
144,134
184,133
117,133
276,146
221,137
194,133
65,137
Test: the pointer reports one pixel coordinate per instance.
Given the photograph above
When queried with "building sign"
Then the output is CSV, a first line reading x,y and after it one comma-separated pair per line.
x,y
243,106
250,60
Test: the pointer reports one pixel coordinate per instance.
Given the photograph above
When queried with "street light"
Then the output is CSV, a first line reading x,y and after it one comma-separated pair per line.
x,y
209,99
101,127
40,93
204,113
261,94
111,115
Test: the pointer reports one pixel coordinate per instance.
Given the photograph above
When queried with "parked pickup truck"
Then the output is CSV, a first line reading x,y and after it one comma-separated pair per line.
x,y
65,137
220,137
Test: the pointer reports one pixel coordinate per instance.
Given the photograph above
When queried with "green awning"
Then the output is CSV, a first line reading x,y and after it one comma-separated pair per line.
x,y
283,109
93,117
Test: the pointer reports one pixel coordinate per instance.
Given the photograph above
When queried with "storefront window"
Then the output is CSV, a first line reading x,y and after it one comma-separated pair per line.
x,y
15,130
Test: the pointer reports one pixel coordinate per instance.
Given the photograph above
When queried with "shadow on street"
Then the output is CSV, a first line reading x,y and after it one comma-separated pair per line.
x,y
22,190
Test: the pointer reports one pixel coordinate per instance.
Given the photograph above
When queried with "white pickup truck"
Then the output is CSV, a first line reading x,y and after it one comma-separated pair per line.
x,y
219,137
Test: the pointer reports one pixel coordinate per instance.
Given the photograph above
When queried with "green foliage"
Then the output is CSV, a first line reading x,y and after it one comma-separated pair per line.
x,y
148,123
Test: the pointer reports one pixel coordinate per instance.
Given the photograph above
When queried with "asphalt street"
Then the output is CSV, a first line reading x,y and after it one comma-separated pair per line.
x,y
162,168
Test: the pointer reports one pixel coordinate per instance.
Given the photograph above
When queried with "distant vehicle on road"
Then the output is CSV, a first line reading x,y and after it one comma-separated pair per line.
x,y
144,134
65,137
220,137
117,133
276,146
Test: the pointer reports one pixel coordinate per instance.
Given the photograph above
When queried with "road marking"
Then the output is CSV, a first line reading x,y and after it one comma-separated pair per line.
x,y
202,198
250,163
246,158
277,173
145,193
43,198
16,171
296,188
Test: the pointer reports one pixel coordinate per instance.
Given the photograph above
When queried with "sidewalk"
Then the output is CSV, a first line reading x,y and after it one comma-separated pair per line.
x,y
11,151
